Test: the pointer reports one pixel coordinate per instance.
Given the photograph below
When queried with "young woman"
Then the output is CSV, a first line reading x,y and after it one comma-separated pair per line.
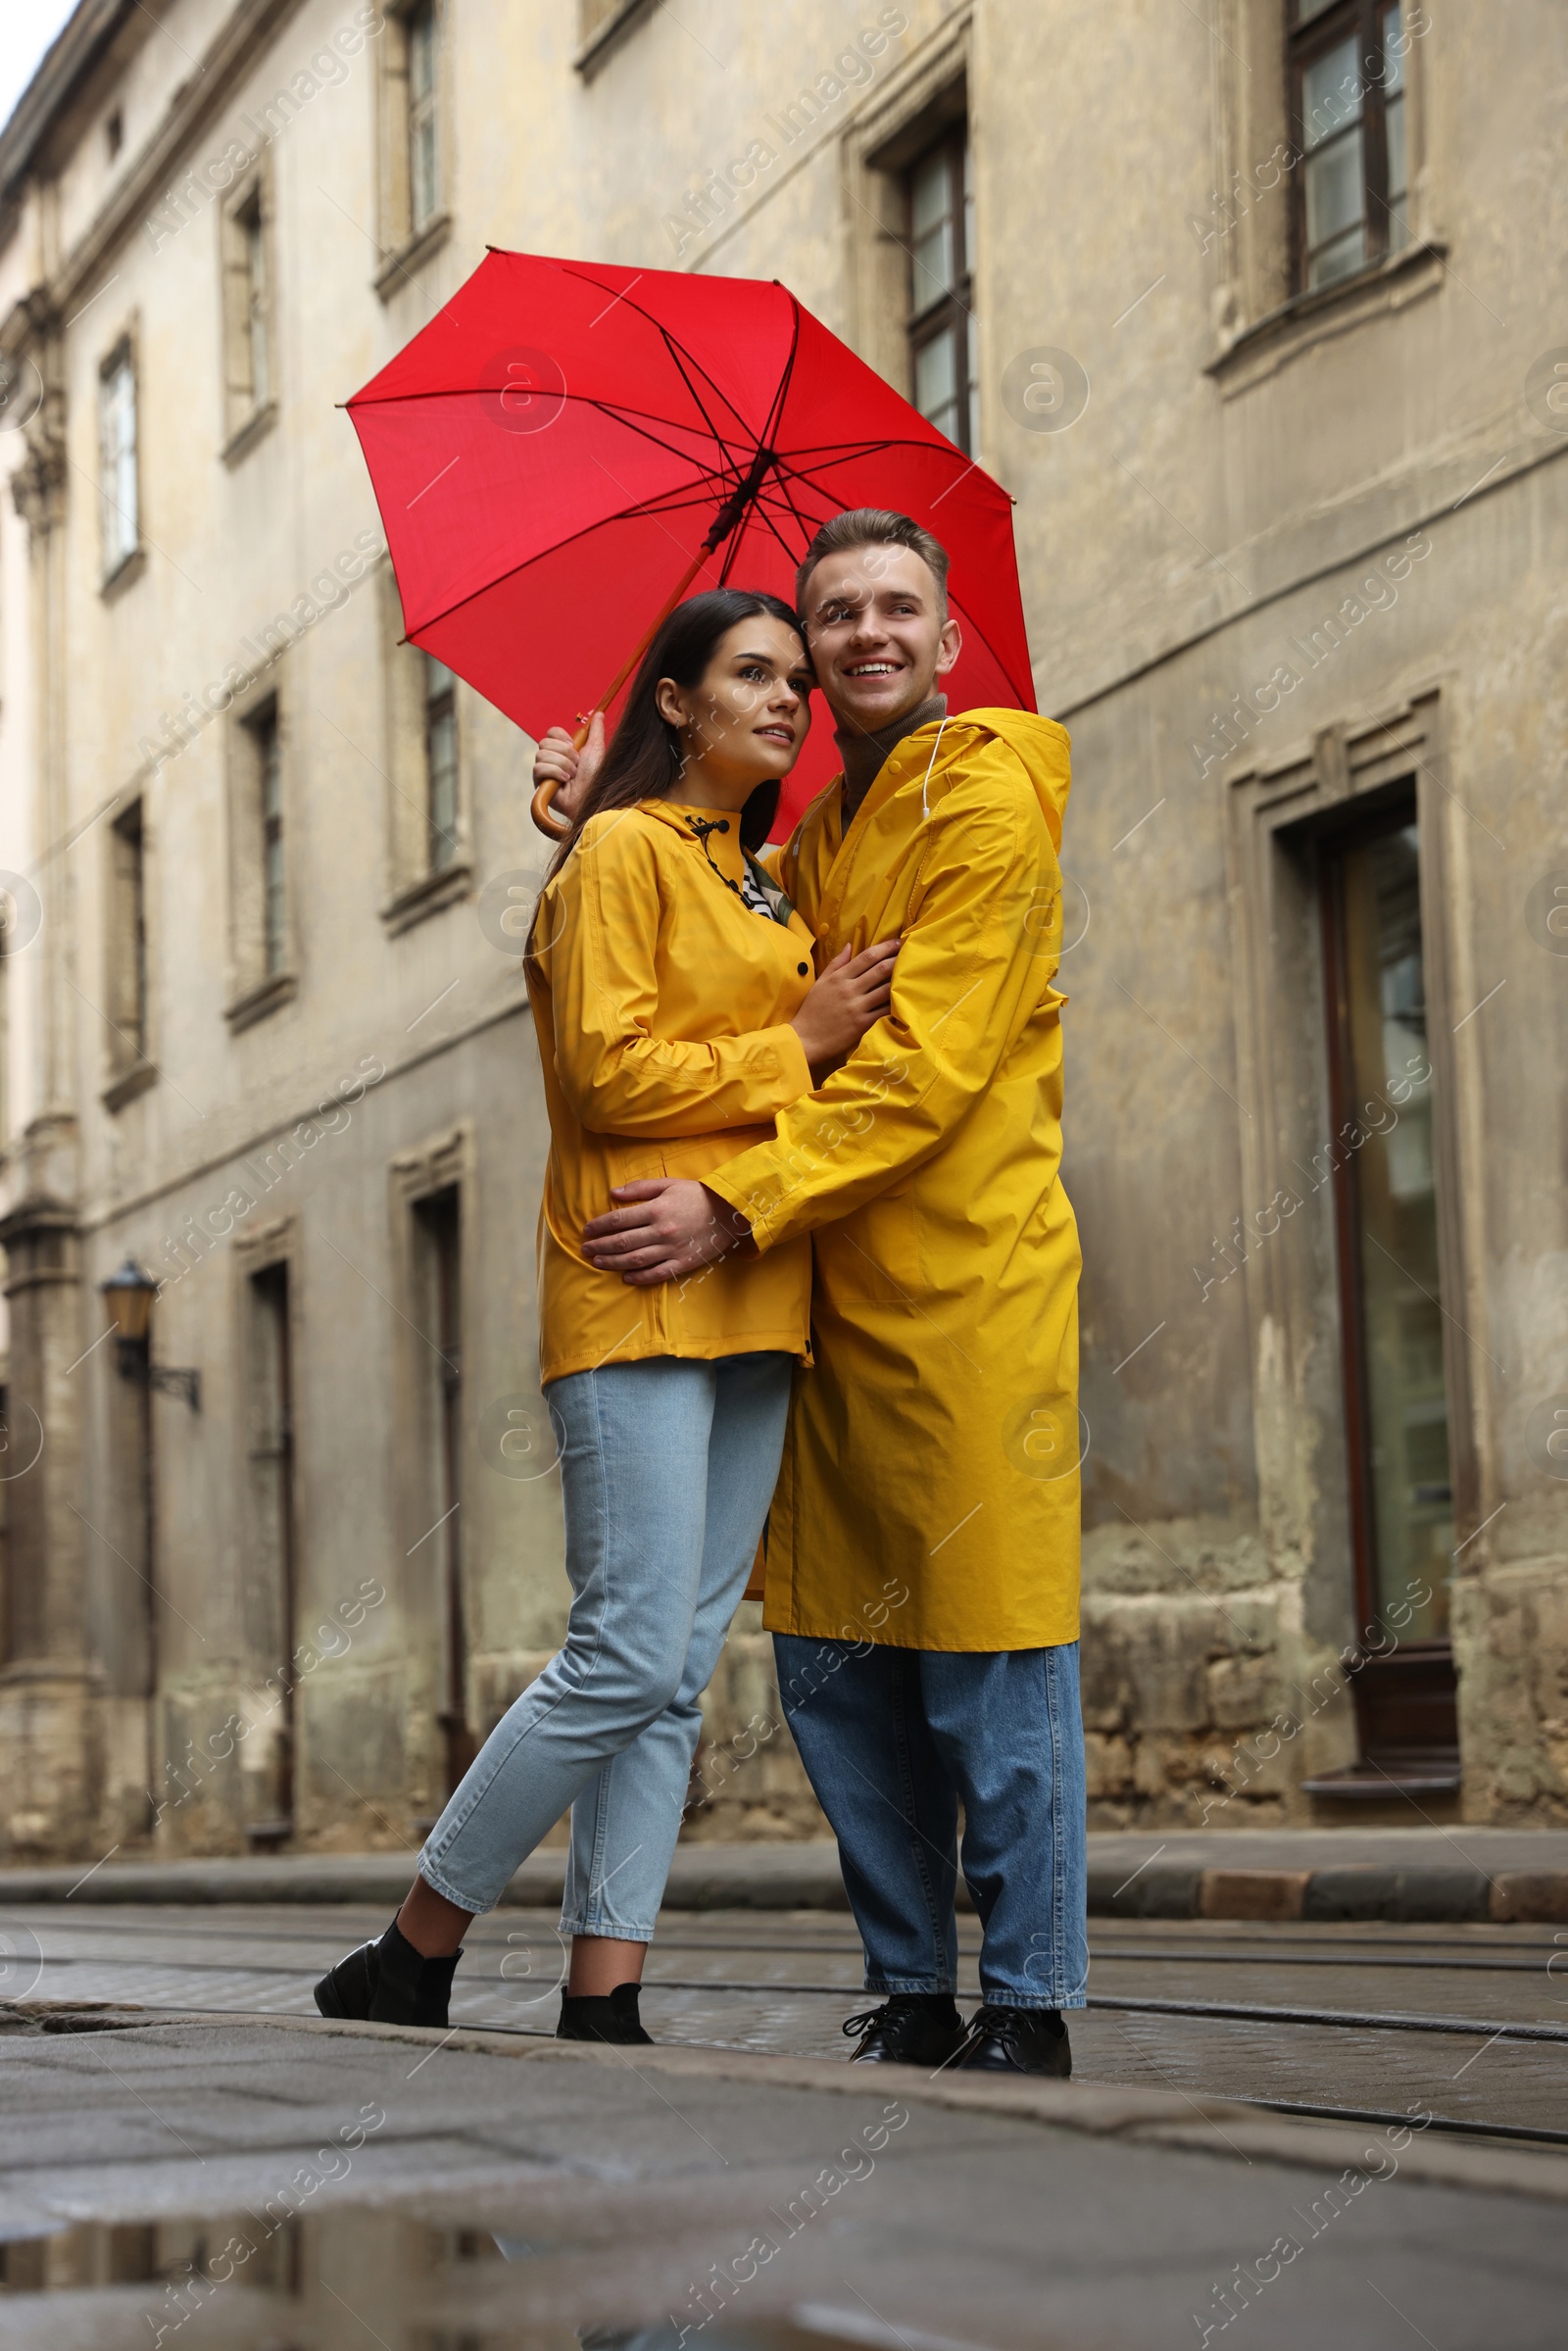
x,y
676,1011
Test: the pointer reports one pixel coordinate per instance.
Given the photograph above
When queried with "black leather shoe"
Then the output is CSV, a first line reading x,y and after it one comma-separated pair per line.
x,y
1017,2040
911,2028
389,1983
614,2018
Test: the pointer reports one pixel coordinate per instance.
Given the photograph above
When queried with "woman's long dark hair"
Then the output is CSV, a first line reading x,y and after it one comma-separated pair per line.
x,y
645,755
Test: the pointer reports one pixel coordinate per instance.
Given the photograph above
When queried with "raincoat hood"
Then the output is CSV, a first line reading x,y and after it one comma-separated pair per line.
x,y
1042,748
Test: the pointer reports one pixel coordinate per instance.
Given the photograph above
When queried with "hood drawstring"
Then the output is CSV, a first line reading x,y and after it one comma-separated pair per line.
x,y
925,809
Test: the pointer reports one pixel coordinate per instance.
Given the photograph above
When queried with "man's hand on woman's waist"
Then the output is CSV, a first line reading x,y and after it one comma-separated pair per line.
x,y
664,1229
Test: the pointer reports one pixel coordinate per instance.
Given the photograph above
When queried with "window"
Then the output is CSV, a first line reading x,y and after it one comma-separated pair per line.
x,y
440,763
425,193
1386,1214
116,438
128,943
429,852
1347,112
411,142
261,934
248,372
941,241
269,763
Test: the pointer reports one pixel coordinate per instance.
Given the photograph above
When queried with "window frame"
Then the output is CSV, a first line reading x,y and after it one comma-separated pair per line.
x,y
950,312
418,883
407,244
263,962
1303,45
421,124
443,842
1279,811
127,993
268,729
249,314
116,551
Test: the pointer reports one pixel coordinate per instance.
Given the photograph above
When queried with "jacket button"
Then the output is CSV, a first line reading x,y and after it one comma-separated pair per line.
x,y
803,970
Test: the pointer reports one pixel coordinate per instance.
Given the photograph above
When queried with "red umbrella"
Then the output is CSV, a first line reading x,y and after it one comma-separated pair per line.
x,y
571,447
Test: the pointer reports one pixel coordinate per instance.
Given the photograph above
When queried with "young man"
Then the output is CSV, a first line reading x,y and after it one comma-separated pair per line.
x,y
923,1551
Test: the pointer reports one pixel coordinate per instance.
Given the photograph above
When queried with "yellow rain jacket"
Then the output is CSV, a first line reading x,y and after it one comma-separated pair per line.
x,y
929,1495
661,1005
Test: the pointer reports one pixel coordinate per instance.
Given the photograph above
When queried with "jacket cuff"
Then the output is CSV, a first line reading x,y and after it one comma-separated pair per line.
x,y
795,1069
740,1197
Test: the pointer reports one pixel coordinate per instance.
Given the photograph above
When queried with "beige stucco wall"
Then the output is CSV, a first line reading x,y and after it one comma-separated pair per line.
x,y
1219,495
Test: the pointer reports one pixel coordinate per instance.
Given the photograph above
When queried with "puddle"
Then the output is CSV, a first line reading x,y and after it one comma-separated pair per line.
x,y
361,2275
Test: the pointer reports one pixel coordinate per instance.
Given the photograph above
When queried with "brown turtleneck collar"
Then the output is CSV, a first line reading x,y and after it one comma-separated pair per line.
x,y
865,756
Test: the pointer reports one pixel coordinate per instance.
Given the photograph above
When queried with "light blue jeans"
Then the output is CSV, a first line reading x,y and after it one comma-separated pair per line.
x,y
668,1469
892,1741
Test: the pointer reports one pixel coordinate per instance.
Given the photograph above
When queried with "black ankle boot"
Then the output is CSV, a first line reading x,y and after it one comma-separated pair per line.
x,y
613,2019
388,1982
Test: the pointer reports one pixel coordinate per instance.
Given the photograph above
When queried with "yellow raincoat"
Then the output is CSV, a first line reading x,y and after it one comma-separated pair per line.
x,y
929,1492
661,1005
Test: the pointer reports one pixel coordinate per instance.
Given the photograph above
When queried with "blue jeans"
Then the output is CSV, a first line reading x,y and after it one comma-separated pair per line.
x,y
892,1740
668,1469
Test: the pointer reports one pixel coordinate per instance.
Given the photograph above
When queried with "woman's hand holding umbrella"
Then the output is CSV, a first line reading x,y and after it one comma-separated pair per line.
x,y
560,762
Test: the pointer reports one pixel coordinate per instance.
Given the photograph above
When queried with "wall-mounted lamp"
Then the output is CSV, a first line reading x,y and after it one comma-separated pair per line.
x,y
128,1296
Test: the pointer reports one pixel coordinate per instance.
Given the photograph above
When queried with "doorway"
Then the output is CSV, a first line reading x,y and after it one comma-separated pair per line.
x,y
1397,1408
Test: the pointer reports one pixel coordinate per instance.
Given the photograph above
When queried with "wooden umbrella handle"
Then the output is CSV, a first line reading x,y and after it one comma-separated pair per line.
x,y
539,807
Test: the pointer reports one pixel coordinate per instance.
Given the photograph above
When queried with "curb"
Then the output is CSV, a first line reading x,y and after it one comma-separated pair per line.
x,y
806,1877
1357,1890
803,1876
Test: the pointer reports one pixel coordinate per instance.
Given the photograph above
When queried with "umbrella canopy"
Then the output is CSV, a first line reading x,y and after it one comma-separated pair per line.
x,y
569,445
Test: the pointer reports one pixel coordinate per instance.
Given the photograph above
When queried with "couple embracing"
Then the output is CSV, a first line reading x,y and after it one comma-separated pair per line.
x,y
808,1273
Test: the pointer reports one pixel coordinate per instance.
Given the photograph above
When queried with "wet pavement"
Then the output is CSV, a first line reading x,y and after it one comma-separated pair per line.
x,y
288,2185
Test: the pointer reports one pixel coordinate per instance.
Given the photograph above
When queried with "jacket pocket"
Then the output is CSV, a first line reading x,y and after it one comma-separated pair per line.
x,y
885,1244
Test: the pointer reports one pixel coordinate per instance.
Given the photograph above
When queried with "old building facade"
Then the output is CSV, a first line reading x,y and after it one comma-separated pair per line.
x,y
1253,318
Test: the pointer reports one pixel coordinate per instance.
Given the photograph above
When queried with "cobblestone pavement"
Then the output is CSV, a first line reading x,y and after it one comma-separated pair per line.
x,y
784,1982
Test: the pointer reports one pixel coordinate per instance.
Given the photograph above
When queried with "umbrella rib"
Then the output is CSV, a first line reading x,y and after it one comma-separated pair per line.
x,y
782,472
672,344
679,356
557,547
617,411
670,448
765,515
786,377
775,411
